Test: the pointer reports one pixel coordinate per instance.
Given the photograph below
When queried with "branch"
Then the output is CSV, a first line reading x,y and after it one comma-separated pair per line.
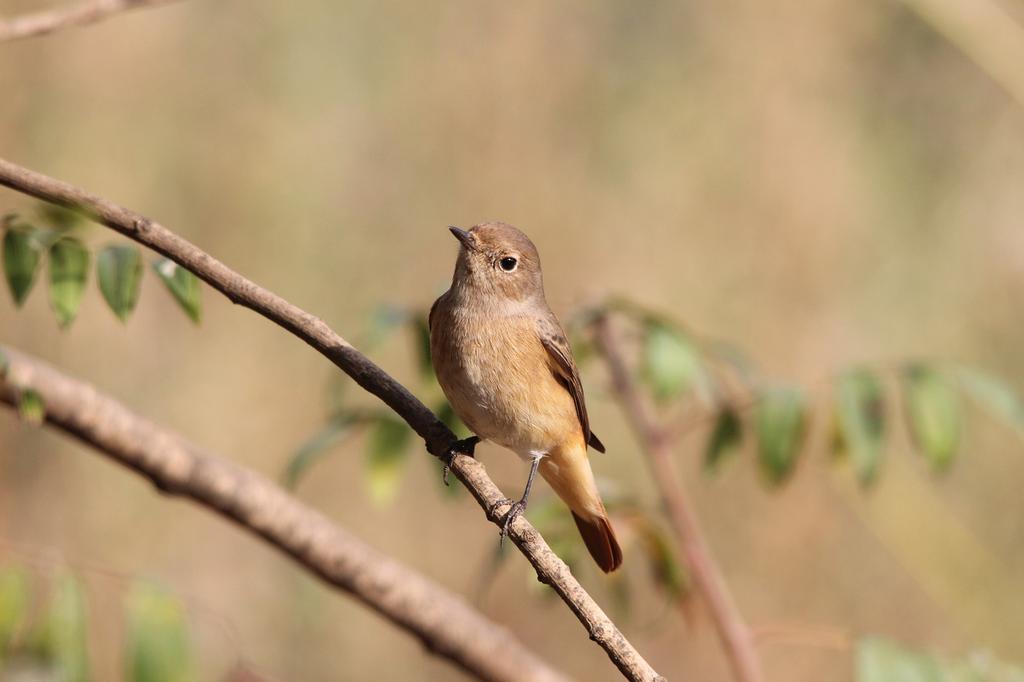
x,y
657,445
985,32
445,624
88,12
438,438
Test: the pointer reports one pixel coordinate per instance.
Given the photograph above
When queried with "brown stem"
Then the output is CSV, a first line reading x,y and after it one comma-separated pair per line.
x,y
438,438
445,624
657,444
47,21
986,31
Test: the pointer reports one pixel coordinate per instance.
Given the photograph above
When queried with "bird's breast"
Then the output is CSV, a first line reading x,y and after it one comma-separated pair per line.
x,y
496,375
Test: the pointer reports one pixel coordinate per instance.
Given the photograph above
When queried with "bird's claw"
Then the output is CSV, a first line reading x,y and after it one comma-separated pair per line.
x,y
494,507
511,515
466,446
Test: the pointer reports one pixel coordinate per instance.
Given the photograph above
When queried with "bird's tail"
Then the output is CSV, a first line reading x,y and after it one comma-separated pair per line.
x,y
567,471
600,540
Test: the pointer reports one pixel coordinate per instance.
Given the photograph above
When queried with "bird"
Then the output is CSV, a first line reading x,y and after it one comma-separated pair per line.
x,y
506,367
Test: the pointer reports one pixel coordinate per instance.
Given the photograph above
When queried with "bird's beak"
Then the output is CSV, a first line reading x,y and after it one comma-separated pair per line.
x,y
462,236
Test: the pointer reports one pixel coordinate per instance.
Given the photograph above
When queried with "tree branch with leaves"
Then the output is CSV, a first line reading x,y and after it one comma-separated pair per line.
x,y
443,622
682,384
438,438
656,444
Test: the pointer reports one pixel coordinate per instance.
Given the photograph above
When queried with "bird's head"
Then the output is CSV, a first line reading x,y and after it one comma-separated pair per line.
x,y
497,260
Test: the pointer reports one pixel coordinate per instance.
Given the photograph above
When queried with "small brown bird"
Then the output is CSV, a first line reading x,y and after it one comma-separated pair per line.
x,y
506,367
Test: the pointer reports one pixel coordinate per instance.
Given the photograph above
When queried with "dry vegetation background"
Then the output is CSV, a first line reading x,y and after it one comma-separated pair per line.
x,y
824,184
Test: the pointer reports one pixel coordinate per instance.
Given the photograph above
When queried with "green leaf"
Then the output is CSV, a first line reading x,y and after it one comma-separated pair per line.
x,y
21,256
157,643
780,431
61,638
31,407
882,660
15,598
860,412
446,414
993,394
69,270
672,362
60,218
933,413
182,284
582,348
119,268
553,521
421,329
549,516
725,438
385,319
666,569
448,417
879,660
316,447
387,455
733,356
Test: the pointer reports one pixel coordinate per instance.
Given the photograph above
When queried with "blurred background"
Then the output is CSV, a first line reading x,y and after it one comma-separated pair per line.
x,y
823,185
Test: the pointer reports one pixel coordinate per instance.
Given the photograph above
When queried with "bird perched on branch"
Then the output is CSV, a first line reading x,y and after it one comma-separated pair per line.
x,y
505,365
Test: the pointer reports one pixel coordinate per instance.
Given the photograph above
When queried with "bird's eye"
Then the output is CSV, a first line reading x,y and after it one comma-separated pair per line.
x,y
508,263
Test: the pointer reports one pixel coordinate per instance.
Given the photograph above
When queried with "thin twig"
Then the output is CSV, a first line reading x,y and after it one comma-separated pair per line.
x,y
985,32
47,21
657,444
438,438
445,624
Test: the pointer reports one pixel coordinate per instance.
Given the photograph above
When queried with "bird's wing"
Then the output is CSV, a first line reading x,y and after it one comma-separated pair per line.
x,y
564,368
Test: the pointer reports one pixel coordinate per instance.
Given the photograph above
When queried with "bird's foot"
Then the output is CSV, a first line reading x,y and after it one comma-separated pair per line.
x,y
466,446
511,515
499,503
